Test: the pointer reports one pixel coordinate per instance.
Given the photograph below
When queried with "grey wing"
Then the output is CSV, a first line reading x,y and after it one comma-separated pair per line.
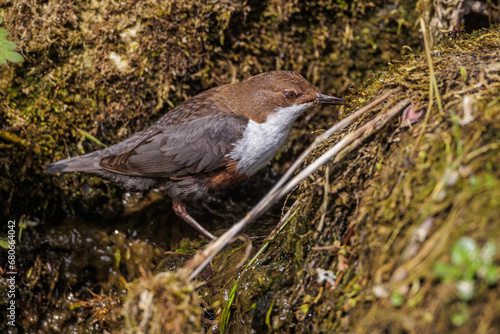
x,y
197,146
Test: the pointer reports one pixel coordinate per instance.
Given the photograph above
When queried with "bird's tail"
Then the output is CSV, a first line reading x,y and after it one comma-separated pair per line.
x,y
87,163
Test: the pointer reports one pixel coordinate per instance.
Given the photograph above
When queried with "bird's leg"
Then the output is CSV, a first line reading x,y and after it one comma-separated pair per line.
x,y
180,211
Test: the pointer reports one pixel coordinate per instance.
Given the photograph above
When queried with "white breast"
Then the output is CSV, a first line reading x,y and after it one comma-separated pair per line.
x,y
261,141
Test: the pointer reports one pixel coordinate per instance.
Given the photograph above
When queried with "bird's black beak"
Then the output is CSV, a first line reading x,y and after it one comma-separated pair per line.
x,y
327,99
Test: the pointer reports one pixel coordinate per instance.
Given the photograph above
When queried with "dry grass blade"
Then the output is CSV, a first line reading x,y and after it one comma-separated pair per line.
x,y
433,87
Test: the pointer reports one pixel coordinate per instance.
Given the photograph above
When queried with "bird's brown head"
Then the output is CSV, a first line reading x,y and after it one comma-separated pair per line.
x,y
265,94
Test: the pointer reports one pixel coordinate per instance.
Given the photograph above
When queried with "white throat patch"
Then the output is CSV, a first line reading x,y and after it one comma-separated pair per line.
x,y
261,141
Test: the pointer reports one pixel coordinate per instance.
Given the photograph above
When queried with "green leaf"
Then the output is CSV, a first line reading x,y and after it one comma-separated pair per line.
x,y
14,57
6,49
226,311
397,299
491,275
463,251
4,242
463,73
75,306
270,310
470,271
3,34
7,45
184,250
458,318
447,271
118,258
22,227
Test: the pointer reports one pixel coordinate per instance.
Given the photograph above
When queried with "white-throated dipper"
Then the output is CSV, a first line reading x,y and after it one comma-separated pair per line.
x,y
210,142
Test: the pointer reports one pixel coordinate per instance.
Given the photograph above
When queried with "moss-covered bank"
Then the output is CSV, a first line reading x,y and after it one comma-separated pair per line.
x,y
380,218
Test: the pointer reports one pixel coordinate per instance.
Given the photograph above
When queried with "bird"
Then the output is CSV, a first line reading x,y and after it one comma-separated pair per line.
x,y
210,142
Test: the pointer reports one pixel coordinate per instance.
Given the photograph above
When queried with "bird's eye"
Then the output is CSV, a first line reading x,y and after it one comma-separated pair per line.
x,y
290,95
